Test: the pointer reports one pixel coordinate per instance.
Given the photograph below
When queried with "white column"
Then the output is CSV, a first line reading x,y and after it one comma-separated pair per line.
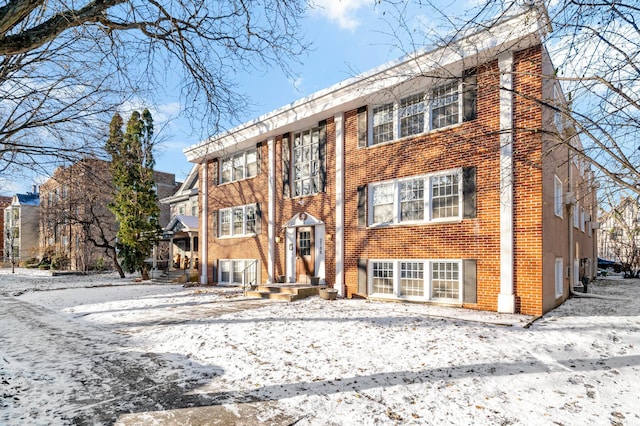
x,y
506,298
272,210
339,237
204,216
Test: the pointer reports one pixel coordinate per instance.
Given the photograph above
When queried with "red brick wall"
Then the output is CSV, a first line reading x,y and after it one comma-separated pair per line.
x,y
527,163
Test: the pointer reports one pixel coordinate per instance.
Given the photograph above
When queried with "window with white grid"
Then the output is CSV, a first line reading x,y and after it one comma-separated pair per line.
x,y
382,277
407,200
242,165
444,107
238,221
445,196
412,112
412,200
306,162
412,279
382,123
445,280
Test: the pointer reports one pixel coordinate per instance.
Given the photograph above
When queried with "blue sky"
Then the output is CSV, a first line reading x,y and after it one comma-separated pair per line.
x,y
347,36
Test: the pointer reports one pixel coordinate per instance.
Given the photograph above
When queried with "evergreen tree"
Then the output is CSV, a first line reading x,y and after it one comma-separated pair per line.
x,y
135,201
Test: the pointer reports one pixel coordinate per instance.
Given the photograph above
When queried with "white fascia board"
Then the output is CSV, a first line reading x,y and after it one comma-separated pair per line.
x,y
518,32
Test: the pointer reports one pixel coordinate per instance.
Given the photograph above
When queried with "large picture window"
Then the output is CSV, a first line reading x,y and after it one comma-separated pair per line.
x,y
306,162
408,201
243,165
239,221
435,280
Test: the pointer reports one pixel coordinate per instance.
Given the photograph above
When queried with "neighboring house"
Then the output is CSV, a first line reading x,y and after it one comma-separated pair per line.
x,y
182,229
75,211
420,180
21,220
619,235
4,203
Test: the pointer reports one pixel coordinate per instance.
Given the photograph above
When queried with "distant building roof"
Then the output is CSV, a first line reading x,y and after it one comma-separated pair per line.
x,y
29,199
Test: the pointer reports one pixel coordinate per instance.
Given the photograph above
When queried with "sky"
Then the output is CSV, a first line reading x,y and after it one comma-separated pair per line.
x,y
347,37
97,350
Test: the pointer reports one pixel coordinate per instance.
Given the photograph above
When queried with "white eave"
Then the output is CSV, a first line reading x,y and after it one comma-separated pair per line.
x,y
515,33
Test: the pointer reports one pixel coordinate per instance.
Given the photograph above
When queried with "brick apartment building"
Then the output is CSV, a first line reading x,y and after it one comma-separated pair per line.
x,y
74,209
438,178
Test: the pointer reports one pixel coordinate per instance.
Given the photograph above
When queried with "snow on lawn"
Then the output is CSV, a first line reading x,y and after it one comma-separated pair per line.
x,y
314,362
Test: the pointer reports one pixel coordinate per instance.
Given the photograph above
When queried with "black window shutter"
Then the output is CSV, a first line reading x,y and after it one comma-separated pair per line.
x,y
258,218
286,166
214,224
362,205
469,95
259,157
322,156
470,294
362,276
362,127
469,192
215,170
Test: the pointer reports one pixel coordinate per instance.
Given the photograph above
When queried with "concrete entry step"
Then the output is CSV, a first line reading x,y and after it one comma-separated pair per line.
x,y
286,292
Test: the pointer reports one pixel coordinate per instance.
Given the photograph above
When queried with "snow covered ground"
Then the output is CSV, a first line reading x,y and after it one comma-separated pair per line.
x,y
100,350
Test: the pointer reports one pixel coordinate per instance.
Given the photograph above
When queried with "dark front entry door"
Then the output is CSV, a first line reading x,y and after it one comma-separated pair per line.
x,y
305,260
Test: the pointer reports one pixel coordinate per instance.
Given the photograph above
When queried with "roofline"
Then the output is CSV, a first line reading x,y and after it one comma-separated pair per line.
x,y
512,32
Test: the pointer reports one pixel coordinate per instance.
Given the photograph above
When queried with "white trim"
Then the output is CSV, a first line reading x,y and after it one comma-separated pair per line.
x,y
559,277
506,298
271,228
427,199
339,238
558,202
204,229
477,46
427,272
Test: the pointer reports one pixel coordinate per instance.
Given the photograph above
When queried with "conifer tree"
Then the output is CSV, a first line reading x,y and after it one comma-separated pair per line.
x,y
135,201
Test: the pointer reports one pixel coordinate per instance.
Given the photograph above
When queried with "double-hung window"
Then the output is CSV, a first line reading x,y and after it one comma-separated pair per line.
x,y
557,196
238,221
382,123
243,165
412,112
444,106
426,198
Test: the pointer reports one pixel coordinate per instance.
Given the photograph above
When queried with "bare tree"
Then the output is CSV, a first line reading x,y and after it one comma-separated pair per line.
x,y
65,66
595,49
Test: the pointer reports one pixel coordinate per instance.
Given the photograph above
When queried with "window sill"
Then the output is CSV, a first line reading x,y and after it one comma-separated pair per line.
x,y
235,237
406,138
415,223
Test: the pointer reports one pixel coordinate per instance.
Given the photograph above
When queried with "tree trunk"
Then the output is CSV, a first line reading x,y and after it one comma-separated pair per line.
x,y
116,264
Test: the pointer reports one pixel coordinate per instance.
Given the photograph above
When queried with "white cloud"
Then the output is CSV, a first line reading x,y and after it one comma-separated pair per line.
x,y
340,11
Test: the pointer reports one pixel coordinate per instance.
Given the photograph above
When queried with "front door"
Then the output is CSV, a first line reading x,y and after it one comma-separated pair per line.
x,y
305,261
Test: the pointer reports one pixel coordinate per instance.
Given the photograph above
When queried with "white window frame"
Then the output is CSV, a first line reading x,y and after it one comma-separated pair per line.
x,y
559,277
427,274
229,213
243,159
311,163
576,215
426,107
558,201
582,219
428,180
239,266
